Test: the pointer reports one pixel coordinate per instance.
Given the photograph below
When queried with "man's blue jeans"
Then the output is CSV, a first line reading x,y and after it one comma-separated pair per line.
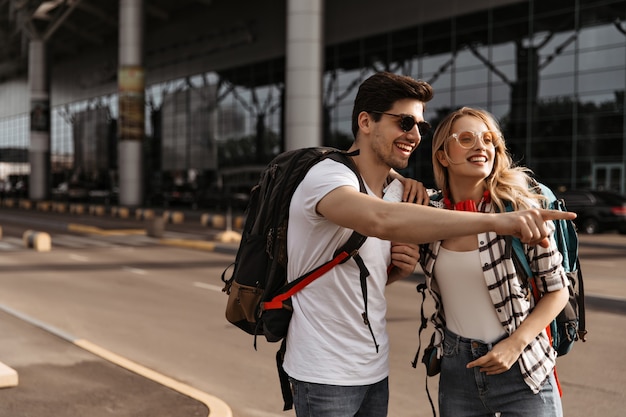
x,y
470,393
320,400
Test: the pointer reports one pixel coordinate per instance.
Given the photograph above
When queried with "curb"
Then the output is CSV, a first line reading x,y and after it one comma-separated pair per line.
x,y
220,244
190,244
216,220
82,228
216,407
8,376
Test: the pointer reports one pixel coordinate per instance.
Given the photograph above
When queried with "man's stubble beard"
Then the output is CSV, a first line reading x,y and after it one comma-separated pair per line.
x,y
389,160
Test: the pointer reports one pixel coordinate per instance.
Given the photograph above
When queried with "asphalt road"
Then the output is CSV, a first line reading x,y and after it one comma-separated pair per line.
x,y
162,307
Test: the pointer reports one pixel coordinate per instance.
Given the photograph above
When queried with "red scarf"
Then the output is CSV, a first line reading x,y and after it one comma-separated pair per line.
x,y
466,205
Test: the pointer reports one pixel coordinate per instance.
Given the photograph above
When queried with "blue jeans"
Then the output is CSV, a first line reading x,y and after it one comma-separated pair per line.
x,y
470,393
320,400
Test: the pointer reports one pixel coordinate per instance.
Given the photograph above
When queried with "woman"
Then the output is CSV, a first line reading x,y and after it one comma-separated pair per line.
x,y
496,356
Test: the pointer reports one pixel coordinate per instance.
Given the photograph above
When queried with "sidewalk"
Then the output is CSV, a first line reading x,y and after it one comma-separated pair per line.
x,y
59,376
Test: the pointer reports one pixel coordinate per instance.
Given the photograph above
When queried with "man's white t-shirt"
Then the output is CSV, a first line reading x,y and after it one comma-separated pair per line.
x,y
328,342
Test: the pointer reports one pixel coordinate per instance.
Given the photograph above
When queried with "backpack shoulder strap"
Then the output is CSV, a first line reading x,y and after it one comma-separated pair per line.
x,y
356,240
565,232
519,257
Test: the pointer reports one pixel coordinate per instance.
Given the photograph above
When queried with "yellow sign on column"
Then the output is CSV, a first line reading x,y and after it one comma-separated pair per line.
x,y
131,88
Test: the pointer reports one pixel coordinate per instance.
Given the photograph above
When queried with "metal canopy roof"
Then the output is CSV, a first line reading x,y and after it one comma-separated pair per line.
x,y
74,27
71,27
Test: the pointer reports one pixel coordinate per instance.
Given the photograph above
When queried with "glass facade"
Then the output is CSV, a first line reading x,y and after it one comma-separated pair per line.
x,y
14,167
553,73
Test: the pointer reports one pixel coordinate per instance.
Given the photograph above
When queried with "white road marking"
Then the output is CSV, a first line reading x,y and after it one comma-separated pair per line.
x,y
134,270
208,286
79,258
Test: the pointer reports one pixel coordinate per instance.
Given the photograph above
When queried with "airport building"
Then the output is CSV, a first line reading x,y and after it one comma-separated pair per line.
x,y
157,101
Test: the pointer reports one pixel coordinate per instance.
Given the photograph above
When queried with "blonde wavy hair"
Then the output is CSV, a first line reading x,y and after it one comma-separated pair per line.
x,y
507,182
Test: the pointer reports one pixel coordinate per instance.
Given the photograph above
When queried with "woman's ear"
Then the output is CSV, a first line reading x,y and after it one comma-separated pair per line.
x,y
441,157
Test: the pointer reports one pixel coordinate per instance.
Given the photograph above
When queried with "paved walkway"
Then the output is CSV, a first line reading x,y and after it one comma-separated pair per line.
x,y
63,376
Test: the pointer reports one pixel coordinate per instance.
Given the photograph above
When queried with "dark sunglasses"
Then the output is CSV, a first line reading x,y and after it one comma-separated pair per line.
x,y
407,122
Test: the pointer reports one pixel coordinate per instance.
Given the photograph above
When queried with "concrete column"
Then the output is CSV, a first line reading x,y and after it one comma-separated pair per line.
x,y
303,77
131,89
39,151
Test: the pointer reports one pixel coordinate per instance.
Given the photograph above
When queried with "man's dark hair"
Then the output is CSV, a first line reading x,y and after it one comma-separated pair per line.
x,y
380,91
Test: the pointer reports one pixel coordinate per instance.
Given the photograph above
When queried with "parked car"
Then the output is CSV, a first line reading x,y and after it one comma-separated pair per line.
x,y
598,211
74,191
216,198
180,195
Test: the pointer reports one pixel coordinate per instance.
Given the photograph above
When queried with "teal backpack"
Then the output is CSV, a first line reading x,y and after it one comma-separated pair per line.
x,y
569,326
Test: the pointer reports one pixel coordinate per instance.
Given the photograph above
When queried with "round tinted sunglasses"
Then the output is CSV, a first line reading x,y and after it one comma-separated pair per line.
x,y
467,140
407,122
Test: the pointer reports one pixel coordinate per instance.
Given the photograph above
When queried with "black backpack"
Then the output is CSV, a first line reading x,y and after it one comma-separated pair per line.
x,y
259,297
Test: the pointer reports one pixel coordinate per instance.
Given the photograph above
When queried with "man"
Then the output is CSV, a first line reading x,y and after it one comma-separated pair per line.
x,y
336,358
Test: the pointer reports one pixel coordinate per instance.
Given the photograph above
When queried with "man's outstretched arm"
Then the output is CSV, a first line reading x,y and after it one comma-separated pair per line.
x,y
400,222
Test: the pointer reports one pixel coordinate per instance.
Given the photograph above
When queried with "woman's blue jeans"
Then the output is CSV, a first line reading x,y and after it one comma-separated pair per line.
x,y
320,400
470,393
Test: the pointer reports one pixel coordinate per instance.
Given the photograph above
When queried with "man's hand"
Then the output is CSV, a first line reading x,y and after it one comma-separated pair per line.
x,y
530,225
404,258
414,191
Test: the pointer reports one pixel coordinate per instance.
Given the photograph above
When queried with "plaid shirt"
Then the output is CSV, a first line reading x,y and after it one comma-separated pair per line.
x,y
510,298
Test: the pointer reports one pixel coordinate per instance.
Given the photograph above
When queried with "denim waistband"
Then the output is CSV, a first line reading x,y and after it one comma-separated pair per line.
x,y
474,343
